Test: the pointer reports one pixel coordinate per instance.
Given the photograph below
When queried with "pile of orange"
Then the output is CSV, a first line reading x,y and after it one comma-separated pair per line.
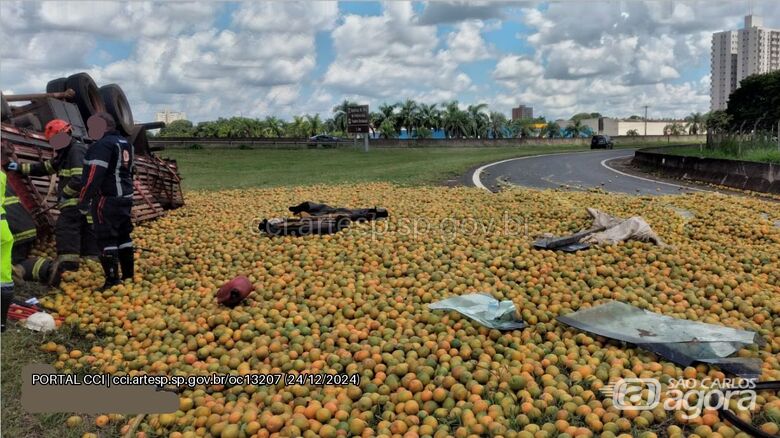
x,y
356,302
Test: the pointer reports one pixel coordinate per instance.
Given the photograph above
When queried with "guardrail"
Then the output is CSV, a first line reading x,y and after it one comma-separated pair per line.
x,y
745,175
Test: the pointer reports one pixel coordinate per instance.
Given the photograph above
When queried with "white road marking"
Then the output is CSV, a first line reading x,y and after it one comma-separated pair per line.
x,y
604,164
475,176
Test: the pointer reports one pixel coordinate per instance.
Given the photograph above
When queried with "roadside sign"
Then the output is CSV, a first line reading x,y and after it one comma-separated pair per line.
x,y
357,119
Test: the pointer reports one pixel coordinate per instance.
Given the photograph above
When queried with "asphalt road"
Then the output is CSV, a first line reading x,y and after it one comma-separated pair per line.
x,y
575,171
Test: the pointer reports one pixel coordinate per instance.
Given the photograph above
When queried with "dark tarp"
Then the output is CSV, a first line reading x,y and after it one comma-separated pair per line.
x,y
314,209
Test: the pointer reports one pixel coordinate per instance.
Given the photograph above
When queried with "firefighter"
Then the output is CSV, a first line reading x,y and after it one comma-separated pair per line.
x,y
6,243
108,195
73,230
21,224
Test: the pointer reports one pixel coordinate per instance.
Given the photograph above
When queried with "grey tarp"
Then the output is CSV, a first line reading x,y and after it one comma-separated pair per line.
x,y
619,230
678,340
606,229
486,310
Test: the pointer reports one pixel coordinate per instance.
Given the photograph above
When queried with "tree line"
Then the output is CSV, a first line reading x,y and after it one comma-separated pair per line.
x,y
754,106
416,119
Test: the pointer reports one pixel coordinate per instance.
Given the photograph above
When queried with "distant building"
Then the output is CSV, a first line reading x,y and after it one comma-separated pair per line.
x,y
737,54
522,112
168,116
613,127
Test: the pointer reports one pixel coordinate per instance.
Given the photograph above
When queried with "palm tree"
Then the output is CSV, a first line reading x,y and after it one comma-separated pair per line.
x,y
407,117
675,128
387,128
315,124
695,123
478,120
375,120
454,120
386,112
551,130
521,128
298,127
497,124
429,116
576,129
330,126
340,115
273,127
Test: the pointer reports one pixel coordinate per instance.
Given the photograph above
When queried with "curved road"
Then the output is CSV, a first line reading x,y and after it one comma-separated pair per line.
x,y
573,170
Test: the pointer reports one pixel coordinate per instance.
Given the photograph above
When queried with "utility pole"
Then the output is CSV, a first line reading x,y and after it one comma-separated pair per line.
x,y
645,120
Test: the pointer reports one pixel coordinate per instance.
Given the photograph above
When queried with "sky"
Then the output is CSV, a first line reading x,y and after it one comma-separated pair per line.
x,y
286,58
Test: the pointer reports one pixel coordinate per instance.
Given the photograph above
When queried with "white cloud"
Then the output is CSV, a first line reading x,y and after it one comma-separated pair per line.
x,y
466,43
392,57
608,56
286,16
436,12
613,57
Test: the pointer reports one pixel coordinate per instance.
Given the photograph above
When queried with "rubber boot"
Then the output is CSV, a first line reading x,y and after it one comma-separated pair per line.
x,y
7,297
126,256
110,262
59,267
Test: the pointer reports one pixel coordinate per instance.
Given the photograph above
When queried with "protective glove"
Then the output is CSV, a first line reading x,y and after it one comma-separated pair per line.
x,y
12,166
84,208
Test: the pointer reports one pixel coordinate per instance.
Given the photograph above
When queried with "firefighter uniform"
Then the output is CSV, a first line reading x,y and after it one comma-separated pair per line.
x,y
6,243
22,227
73,229
108,191
21,224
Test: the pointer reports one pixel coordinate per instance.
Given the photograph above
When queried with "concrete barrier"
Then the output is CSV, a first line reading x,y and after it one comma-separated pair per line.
x,y
301,143
745,175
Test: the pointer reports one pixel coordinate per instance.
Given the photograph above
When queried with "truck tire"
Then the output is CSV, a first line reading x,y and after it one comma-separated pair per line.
x,y
117,105
56,85
87,94
6,114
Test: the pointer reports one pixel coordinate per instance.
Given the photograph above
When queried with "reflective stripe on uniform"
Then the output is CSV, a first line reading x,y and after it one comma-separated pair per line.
x,y
89,218
25,234
69,191
73,171
100,163
68,203
48,166
11,200
36,270
25,168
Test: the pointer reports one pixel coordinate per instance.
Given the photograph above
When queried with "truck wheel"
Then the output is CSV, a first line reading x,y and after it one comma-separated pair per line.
x,y
6,114
116,104
56,85
87,94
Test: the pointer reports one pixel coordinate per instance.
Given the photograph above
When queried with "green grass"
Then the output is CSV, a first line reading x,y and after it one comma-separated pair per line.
x,y
216,169
761,154
21,347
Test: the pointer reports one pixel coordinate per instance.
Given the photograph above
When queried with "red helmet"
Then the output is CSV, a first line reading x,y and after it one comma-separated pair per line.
x,y
55,127
234,291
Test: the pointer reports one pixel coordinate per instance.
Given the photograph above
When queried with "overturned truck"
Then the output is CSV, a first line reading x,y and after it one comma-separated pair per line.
x,y
74,99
